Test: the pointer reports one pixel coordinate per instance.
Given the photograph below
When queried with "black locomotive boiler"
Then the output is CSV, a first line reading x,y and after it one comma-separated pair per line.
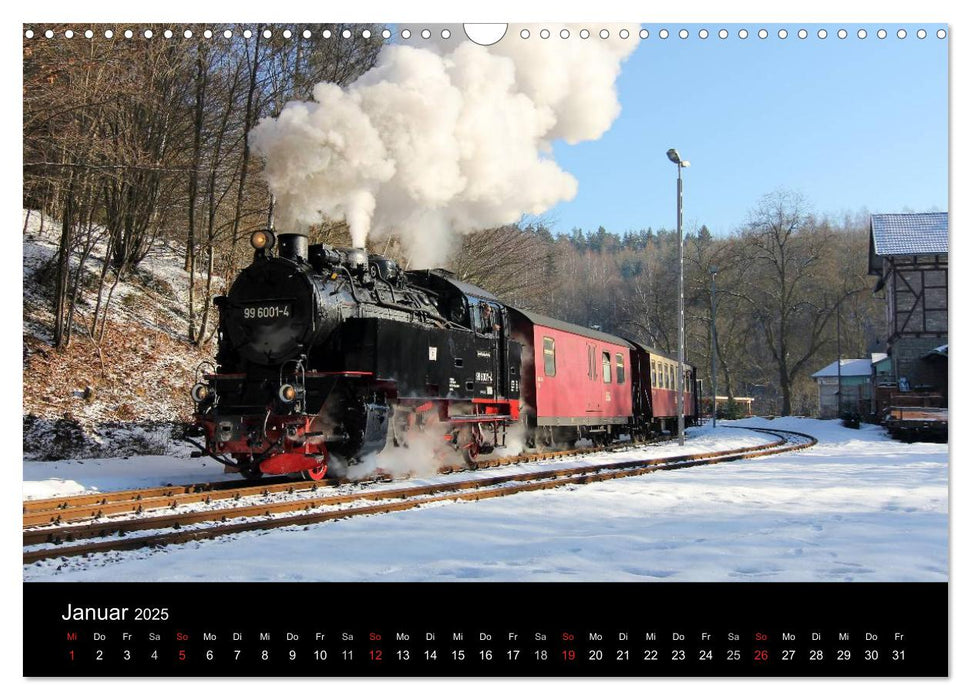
x,y
331,351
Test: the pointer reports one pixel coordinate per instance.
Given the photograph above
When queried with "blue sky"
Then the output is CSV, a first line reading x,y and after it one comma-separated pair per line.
x,y
853,124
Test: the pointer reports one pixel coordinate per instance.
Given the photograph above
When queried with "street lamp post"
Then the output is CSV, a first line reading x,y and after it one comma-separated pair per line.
x,y
713,270
675,158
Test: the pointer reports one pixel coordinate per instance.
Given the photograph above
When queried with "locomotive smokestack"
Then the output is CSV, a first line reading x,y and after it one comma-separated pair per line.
x,y
293,245
357,259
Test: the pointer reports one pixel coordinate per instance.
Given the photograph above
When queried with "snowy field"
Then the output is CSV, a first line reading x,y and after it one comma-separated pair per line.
x,y
857,507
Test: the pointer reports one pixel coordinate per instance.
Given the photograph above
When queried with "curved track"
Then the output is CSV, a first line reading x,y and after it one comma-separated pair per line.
x,y
298,506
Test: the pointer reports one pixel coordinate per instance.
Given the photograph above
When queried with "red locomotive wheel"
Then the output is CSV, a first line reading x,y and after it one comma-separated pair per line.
x,y
470,453
315,474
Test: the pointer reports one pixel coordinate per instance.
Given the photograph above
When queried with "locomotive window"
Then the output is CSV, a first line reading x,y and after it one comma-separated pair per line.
x,y
488,320
620,368
476,317
606,367
549,356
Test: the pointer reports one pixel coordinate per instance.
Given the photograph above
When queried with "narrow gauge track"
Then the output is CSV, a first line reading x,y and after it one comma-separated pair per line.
x,y
66,509
268,516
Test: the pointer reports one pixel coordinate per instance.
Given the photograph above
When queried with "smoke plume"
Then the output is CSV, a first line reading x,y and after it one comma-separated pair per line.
x,y
435,142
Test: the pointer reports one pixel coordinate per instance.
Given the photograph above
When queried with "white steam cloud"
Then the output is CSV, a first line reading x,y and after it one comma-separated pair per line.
x,y
434,142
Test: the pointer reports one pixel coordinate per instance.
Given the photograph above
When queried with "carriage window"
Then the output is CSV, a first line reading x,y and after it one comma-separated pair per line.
x,y
591,367
549,356
667,376
606,367
653,373
620,369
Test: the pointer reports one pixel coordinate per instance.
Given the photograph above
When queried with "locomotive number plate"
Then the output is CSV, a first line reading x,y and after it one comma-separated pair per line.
x,y
267,310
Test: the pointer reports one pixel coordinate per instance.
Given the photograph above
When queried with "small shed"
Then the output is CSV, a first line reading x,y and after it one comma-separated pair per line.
x,y
847,384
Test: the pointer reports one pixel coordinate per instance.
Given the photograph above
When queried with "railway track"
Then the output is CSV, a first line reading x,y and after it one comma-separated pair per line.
x,y
304,503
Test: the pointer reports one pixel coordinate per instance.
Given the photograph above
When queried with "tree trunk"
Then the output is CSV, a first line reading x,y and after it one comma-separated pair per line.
x,y
64,266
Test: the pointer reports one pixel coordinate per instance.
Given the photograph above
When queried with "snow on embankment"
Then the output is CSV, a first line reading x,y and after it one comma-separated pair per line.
x,y
124,395
857,507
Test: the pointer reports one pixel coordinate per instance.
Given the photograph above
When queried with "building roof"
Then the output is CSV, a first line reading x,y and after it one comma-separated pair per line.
x,y
909,234
848,368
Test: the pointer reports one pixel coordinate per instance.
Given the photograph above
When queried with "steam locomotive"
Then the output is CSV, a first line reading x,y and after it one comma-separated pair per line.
x,y
328,354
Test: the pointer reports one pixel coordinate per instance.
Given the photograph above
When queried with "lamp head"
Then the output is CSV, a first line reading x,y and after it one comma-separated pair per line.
x,y
675,158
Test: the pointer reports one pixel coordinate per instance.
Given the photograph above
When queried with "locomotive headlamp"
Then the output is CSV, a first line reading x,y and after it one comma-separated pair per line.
x,y
200,392
287,393
262,240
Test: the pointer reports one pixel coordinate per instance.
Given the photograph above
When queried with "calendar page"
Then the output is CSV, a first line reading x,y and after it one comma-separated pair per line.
x,y
585,349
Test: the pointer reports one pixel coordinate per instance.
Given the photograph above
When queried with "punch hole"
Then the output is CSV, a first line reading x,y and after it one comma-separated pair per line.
x,y
861,33
346,33
763,34
267,34
446,34
604,34
722,33
326,34
683,34
386,34
881,34
287,34
187,34
783,34
941,33
68,34
167,33
584,34
229,35
564,33
743,33
841,33
425,34
802,33
524,33
29,34
488,34
702,33
109,33
129,33
901,33
663,34
405,33
148,34
822,34
544,34
624,34
644,34
921,34
366,34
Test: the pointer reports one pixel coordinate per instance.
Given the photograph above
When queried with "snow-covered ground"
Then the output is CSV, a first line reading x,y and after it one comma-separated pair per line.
x,y
857,507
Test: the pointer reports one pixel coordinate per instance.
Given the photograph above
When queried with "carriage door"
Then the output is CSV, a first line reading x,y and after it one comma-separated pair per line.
x,y
593,389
